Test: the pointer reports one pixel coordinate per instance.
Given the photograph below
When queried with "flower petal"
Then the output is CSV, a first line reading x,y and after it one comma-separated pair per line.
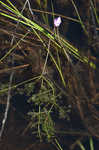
x,y
57,21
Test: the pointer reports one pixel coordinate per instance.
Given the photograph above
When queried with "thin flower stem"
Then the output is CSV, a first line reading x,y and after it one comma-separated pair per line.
x,y
44,68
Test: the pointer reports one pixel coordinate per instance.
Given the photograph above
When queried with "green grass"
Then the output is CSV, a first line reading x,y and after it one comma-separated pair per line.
x,y
15,15
90,143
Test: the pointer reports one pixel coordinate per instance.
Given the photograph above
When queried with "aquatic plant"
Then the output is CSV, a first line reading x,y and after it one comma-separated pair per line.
x,y
45,72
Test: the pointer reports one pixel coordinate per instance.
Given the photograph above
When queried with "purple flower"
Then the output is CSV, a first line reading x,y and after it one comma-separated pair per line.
x,y
57,21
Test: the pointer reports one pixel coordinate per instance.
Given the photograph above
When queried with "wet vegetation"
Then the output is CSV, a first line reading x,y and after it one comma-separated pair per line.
x,y
49,85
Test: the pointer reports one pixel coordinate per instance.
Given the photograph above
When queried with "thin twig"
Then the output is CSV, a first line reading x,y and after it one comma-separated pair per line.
x,y
7,70
8,102
27,1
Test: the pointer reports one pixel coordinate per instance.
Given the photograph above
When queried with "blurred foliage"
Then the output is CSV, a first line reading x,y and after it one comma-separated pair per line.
x,y
45,104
